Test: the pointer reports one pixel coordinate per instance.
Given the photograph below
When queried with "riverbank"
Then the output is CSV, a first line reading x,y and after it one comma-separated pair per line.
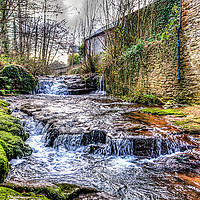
x,y
186,117
12,137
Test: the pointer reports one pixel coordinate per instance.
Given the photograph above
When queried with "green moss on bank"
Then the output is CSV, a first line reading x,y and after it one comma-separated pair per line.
x,y
7,194
190,126
3,164
140,98
4,107
62,191
14,79
16,146
159,111
13,125
12,137
186,118
4,103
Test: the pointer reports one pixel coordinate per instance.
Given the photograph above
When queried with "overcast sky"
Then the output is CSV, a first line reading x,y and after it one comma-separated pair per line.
x,y
73,10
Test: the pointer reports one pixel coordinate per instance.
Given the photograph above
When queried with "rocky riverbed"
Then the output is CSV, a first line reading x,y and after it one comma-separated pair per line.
x,y
111,147
106,144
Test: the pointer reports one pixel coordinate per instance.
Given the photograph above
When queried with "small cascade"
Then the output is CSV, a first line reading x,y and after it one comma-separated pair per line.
x,y
72,142
69,142
102,86
52,85
140,147
68,85
96,142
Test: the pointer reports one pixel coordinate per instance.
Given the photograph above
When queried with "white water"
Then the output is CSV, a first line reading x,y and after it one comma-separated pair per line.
x,y
122,176
112,167
54,86
102,86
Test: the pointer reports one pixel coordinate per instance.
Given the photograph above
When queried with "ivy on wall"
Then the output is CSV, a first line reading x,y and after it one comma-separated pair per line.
x,y
152,31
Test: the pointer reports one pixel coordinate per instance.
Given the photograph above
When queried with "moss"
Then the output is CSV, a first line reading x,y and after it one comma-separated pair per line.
x,y
2,92
189,126
141,98
4,103
181,122
12,135
4,80
5,92
7,194
158,111
5,147
13,125
16,146
20,78
3,107
3,164
62,191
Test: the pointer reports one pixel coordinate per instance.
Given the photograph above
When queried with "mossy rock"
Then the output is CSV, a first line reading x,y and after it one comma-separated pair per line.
x,y
3,164
159,111
13,125
4,110
19,78
3,82
5,92
4,103
189,126
7,194
16,146
7,150
12,135
62,191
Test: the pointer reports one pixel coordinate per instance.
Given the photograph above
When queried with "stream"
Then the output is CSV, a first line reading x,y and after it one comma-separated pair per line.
x,y
92,140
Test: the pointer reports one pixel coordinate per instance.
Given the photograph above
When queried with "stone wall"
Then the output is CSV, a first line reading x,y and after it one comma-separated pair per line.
x,y
159,75
190,39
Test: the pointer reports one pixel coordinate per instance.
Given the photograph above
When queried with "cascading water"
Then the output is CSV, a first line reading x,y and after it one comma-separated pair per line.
x,y
91,160
101,90
52,86
71,84
78,140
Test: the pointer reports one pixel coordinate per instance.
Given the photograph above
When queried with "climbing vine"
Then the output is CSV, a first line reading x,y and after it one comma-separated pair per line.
x,y
136,38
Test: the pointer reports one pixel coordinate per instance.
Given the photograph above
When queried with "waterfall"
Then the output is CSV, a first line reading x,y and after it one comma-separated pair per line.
x,y
96,142
52,85
137,146
102,87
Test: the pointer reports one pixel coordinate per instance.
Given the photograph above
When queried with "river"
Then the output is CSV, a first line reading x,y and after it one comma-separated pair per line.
x,y
90,140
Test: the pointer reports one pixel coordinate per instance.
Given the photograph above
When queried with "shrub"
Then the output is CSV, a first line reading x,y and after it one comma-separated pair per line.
x,y
76,59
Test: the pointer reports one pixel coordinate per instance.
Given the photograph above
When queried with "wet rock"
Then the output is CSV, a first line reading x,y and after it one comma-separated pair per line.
x,y
84,120
61,191
185,162
71,84
96,196
94,137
